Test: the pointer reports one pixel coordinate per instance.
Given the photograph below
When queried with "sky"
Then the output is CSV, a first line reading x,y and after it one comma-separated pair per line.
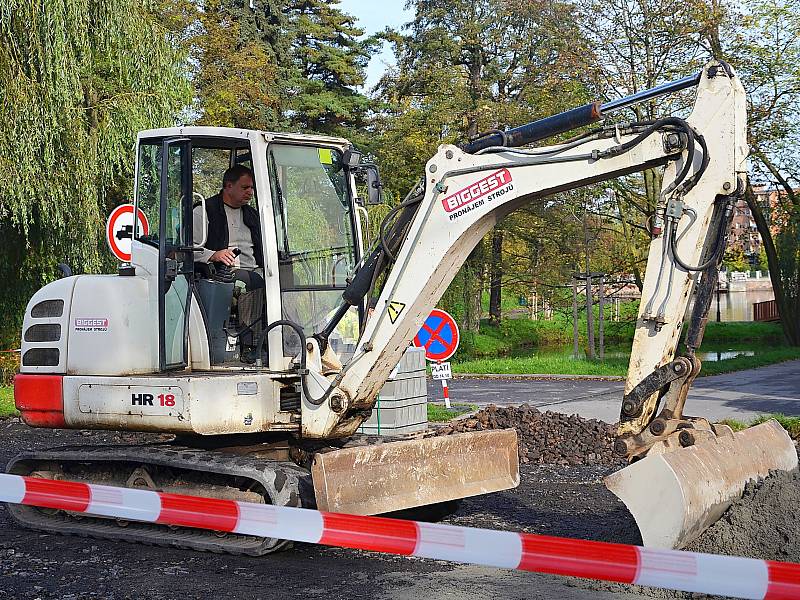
x,y
375,16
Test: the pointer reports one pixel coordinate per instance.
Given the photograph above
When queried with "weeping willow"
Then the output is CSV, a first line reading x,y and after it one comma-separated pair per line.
x,y
78,79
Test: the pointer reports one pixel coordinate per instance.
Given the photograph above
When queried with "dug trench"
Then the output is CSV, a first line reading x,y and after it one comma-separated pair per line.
x,y
563,459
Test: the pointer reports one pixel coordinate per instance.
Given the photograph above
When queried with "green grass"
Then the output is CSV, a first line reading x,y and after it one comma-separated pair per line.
x,y
553,365
735,424
508,301
741,331
516,335
565,365
437,413
7,407
790,424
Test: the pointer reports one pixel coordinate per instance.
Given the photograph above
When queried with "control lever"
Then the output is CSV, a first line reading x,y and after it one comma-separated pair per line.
x,y
223,272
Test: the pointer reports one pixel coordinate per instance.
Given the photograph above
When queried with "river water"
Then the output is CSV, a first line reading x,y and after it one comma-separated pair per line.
x,y
738,306
709,352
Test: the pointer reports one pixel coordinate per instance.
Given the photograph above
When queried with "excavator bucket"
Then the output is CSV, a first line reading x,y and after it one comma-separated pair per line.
x,y
381,478
676,495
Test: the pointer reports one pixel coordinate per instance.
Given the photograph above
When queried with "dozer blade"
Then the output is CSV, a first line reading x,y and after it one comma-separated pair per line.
x,y
675,496
369,480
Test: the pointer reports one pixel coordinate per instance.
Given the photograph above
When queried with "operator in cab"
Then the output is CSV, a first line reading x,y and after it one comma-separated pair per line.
x,y
234,242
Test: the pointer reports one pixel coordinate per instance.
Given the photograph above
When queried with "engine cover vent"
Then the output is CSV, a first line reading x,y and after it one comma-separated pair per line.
x,y
41,357
48,308
289,399
43,332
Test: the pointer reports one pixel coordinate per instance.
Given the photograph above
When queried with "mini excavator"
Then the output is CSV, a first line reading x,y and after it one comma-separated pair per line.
x,y
154,347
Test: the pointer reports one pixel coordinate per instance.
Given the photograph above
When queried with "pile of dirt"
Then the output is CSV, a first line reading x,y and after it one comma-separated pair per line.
x,y
546,437
762,523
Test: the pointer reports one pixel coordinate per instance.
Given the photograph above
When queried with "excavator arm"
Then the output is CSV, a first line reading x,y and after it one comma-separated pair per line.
x,y
468,190
685,471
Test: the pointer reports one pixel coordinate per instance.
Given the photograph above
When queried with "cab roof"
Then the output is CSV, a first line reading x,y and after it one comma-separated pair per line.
x,y
243,134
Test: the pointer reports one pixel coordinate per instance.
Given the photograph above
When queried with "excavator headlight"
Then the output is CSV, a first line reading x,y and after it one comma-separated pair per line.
x,y
351,158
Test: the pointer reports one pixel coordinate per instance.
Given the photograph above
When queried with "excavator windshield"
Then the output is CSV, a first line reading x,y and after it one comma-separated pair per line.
x,y
315,227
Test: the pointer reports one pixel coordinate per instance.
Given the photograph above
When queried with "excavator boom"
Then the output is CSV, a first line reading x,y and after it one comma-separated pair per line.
x,y
466,194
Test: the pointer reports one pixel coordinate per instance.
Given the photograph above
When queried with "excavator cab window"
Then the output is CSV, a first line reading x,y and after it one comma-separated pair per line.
x,y
148,189
315,227
219,298
194,167
208,165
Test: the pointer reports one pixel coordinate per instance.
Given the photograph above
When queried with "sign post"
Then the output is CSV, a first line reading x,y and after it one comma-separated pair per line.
x,y
441,370
439,337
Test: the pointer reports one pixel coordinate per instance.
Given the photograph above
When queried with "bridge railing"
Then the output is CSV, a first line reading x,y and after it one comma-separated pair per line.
x,y
766,311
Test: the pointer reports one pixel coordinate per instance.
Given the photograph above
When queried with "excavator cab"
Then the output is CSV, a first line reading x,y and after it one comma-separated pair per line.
x,y
304,196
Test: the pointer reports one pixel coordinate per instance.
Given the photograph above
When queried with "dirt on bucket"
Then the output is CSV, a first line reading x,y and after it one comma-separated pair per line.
x,y
762,524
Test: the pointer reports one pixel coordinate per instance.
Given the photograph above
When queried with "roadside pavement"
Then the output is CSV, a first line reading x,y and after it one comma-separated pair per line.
x,y
742,395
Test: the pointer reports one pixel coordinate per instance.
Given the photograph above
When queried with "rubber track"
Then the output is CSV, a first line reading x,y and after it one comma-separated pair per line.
x,y
285,483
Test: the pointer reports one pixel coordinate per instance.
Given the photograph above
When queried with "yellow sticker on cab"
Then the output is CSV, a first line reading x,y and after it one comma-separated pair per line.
x,y
325,156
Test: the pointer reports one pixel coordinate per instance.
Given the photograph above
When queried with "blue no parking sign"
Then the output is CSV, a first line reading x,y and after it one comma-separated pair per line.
x,y
438,335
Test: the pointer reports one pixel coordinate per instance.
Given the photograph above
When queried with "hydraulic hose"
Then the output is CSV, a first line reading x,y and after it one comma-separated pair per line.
x,y
715,254
659,124
388,219
302,370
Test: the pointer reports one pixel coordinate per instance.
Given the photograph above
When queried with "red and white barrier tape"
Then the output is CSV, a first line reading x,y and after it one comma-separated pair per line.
x,y
671,569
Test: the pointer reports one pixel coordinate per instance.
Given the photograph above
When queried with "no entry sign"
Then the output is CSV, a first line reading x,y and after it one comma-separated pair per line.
x,y
119,230
439,336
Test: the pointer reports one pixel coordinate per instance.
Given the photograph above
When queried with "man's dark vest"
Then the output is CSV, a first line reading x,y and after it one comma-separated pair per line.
x,y
218,227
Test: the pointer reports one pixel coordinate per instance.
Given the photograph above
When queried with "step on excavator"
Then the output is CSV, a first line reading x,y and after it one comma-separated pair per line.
x,y
156,347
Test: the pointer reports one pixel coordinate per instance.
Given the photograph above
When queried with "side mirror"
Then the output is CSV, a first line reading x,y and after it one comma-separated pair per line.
x,y
374,185
64,269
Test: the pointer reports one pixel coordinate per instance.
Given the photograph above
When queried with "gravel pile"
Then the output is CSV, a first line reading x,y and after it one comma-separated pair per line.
x,y
546,437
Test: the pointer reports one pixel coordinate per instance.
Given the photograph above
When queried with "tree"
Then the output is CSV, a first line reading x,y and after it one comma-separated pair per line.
x,y
735,260
763,264
762,40
330,64
242,67
78,80
468,66
640,44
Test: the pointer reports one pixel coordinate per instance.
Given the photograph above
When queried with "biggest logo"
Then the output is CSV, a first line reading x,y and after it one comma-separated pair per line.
x,y
477,190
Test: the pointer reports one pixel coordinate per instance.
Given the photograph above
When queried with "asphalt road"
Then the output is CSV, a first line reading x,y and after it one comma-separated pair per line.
x,y
742,395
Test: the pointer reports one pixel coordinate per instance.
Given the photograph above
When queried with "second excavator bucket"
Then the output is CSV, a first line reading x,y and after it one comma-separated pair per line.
x,y
381,478
677,495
